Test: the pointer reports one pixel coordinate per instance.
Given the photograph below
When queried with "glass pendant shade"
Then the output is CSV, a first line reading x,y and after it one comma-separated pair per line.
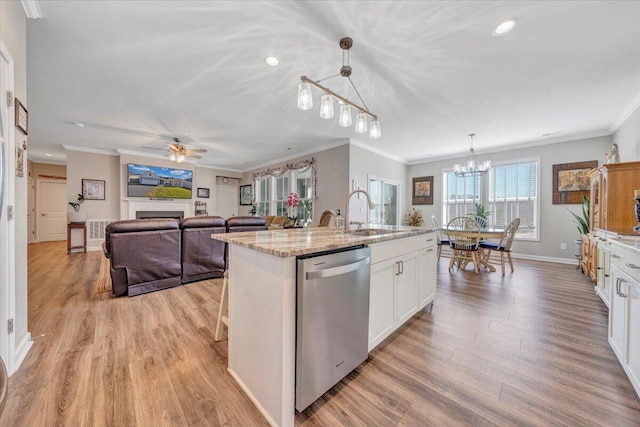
x,y
345,116
180,158
305,100
172,156
374,132
326,107
361,123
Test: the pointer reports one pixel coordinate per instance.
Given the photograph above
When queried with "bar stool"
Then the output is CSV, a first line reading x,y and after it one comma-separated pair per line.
x,y
223,312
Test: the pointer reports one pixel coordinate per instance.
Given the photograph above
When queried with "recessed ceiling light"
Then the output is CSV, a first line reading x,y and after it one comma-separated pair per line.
x,y
48,154
505,27
272,60
78,125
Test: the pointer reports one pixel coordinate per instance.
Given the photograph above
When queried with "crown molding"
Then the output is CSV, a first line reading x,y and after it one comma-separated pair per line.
x,y
89,150
499,149
299,154
32,9
378,152
218,168
635,105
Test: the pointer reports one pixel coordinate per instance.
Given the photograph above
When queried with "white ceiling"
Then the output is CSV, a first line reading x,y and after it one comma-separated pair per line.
x,y
137,73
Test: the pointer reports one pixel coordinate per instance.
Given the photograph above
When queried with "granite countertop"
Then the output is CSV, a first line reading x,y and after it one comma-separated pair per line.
x,y
302,241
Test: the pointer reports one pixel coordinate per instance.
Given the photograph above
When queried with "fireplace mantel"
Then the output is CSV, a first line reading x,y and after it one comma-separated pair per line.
x,y
142,204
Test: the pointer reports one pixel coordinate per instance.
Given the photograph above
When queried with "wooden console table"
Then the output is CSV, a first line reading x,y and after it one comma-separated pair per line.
x,y
79,226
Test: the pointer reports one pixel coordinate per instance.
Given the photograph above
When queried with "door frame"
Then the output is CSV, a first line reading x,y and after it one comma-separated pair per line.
x,y
38,205
8,227
398,195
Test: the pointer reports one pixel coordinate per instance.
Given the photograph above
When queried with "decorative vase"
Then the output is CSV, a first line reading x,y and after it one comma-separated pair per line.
x,y
79,217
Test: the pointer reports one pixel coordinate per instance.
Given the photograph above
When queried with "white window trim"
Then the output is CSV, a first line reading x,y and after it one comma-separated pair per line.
x,y
398,196
272,201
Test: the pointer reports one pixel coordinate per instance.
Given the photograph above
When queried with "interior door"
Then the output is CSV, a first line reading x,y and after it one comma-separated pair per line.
x,y
31,211
52,211
226,201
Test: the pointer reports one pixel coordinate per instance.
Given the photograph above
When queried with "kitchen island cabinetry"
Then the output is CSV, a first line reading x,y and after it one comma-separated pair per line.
x,y
624,308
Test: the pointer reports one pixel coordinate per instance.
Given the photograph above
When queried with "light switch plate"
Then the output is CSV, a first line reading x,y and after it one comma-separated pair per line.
x,y
9,213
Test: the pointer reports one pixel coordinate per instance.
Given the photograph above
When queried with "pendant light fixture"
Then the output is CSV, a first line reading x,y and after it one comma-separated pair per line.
x,y
472,167
305,99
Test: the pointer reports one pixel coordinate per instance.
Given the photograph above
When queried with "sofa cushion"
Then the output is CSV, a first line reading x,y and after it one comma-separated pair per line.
x,y
245,223
134,225
202,221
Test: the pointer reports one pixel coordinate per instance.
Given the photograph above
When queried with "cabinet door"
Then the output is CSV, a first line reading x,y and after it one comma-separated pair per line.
x,y
427,260
633,334
407,285
382,301
618,312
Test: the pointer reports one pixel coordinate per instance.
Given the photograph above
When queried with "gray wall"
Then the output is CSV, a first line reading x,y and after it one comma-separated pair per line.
x,y
363,164
628,138
555,222
332,176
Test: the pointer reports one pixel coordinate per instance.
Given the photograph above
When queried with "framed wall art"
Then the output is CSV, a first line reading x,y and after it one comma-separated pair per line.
x,y
93,189
22,117
245,195
570,182
203,193
422,191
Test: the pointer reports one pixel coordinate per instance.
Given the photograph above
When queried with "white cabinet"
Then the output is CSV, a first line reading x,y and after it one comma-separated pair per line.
x,y
403,278
624,309
427,264
603,263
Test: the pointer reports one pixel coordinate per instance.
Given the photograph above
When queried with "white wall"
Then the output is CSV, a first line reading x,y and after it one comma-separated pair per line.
x,y
628,138
13,35
555,221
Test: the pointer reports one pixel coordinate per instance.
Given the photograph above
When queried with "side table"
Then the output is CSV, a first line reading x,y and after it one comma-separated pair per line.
x,y
79,226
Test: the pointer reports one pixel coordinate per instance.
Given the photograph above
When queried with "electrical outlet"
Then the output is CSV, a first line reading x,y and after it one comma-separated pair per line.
x,y
563,246
9,213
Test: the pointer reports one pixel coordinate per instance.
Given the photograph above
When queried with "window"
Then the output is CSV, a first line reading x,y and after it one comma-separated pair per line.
x,y
384,194
272,192
509,191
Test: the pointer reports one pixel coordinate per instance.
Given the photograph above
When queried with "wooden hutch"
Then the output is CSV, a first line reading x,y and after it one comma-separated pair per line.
x,y
612,211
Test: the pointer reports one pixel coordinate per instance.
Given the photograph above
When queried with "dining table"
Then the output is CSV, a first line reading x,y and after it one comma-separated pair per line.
x,y
484,233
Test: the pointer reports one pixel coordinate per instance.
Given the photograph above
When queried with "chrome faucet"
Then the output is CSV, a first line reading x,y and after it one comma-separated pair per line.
x,y
346,207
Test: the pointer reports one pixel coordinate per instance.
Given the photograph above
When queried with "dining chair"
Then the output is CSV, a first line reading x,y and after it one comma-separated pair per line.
x,y
464,240
326,218
504,245
441,242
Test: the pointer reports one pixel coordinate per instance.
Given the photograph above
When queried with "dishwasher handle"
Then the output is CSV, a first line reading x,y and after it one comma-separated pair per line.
x,y
337,271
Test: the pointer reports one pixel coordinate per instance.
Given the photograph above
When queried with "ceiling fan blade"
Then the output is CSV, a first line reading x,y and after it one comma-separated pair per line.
x,y
194,156
196,150
174,147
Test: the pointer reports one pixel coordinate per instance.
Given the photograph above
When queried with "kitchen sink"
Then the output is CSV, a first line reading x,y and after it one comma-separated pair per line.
x,y
370,232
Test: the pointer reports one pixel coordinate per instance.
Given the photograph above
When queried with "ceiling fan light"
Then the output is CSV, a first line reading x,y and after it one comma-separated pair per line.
x,y
345,116
374,132
305,100
172,156
326,107
361,123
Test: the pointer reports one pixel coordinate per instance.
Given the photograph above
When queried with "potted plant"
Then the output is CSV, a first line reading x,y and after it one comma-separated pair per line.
x,y
482,213
414,218
77,216
582,222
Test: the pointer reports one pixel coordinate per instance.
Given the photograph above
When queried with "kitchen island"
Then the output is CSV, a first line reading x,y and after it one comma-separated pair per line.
x,y
262,300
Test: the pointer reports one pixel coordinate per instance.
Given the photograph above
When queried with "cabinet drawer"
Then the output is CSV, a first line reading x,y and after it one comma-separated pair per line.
x,y
626,259
393,248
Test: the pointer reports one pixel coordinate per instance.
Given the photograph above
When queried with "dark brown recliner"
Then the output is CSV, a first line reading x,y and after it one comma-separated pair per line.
x,y
202,256
246,223
144,255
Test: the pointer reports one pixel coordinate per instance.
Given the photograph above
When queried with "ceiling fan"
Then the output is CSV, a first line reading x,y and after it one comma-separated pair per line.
x,y
178,152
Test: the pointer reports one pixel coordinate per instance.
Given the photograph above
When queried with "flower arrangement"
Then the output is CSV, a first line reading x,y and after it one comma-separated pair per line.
x,y
292,200
414,218
76,205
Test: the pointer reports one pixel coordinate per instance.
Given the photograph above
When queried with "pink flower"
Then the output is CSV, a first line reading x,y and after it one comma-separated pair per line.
x,y
292,200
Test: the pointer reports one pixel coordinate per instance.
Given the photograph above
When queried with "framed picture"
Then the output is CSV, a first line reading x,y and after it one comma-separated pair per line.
x,y
22,117
203,193
245,195
422,193
93,189
570,182
19,162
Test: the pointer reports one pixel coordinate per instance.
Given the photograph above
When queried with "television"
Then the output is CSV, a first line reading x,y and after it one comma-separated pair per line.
x,y
158,182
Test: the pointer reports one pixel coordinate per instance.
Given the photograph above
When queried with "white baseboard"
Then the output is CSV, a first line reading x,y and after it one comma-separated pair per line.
x,y
252,398
570,261
21,352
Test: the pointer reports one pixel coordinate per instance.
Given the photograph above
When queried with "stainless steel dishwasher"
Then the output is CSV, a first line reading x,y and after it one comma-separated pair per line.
x,y
332,319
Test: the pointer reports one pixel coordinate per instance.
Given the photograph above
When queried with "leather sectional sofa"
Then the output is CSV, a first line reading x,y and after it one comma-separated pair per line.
x,y
151,254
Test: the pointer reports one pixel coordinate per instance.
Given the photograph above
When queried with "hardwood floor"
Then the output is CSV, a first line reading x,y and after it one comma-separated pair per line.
x,y
526,349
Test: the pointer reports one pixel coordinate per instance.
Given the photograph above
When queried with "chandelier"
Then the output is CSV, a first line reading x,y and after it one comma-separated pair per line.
x,y
305,100
472,167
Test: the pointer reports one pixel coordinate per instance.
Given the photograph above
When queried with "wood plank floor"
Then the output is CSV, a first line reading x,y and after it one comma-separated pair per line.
x,y
526,349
